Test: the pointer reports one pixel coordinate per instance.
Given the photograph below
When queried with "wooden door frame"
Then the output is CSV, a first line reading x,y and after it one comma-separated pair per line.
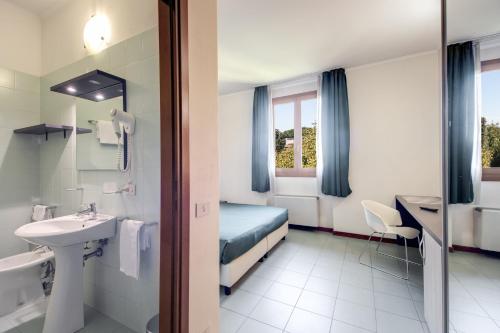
x,y
175,206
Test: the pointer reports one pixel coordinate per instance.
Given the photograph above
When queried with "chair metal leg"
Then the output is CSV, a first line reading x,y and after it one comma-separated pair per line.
x,y
396,257
380,241
405,259
366,247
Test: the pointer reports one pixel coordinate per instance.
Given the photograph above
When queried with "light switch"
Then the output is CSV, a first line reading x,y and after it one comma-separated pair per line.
x,y
202,209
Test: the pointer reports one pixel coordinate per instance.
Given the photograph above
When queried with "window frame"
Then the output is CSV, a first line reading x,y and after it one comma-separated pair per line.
x,y
490,174
297,170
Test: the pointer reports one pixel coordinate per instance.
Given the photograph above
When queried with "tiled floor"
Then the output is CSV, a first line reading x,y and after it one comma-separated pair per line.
x,y
474,293
94,323
313,283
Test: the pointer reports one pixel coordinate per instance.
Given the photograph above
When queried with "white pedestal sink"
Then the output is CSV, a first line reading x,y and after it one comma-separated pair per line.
x,y
66,235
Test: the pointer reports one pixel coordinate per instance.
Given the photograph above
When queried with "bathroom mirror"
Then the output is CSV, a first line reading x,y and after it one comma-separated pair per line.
x,y
98,149
98,93
473,80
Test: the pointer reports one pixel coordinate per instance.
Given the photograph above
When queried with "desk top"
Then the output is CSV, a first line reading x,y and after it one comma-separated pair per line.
x,y
431,222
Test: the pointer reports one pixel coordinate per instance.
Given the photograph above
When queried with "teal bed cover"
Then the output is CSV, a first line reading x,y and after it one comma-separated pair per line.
x,y
242,226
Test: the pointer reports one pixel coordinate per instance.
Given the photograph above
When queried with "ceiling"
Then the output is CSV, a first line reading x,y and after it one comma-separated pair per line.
x,y
471,19
41,8
263,41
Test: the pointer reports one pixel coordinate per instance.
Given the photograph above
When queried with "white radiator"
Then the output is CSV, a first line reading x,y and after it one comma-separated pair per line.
x,y
302,210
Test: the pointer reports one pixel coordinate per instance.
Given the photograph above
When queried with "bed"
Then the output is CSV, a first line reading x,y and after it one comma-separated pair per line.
x,y
246,234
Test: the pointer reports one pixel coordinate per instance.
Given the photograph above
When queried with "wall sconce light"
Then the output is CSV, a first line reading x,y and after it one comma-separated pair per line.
x,y
97,33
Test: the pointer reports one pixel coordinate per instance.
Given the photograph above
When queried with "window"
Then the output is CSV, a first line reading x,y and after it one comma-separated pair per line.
x,y
490,119
295,122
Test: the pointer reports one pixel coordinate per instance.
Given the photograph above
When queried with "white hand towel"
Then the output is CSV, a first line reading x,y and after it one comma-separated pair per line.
x,y
130,248
146,237
105,133
40,213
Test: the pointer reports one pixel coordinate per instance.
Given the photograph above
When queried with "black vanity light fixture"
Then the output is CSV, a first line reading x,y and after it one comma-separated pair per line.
x,y
96,86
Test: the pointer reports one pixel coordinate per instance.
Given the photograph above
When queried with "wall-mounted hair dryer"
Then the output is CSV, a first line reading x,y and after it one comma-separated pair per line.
x,y
122,119
127,119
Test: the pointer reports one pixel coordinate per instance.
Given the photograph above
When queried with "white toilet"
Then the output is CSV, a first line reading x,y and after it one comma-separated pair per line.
x,y
20,282
487,228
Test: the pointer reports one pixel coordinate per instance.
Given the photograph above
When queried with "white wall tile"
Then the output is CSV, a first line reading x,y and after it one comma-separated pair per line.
x,y
27,82
19,157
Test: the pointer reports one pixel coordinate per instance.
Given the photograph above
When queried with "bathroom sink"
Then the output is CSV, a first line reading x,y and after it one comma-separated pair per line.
x,y
68,230
66,235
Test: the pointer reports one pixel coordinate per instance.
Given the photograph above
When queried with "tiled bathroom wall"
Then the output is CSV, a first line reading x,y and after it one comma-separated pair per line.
x,y
19,156
129,301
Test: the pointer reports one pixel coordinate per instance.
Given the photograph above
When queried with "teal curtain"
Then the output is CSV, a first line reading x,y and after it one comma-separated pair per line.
x,y
335,139
260,140
461,113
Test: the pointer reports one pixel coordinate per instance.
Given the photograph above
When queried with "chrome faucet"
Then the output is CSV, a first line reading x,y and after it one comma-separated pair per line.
x,y
91,210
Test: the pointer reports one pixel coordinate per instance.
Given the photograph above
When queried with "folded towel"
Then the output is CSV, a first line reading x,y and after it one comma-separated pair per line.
x,y
145,238
130,247
105,133
40,213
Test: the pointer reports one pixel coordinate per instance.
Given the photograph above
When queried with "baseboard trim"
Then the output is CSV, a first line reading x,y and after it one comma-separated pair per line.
x,y
341,233
324,229
307,228
471,249
463,248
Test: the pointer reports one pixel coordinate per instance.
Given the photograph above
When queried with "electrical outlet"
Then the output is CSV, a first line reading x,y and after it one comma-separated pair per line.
x,y
130,188
202,209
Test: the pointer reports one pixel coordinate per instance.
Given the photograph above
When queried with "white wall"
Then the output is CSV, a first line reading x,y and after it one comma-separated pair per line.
x,y
19,156
20,39
395,134
395,140
204,175
62,31
235,149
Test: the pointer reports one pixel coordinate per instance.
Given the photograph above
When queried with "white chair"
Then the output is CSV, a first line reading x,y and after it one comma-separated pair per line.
x,y
385,220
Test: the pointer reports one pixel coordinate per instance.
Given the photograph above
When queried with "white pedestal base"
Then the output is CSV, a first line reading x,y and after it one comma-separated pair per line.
x,y
65,310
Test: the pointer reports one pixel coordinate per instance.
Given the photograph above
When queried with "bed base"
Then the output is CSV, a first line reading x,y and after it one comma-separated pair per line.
x,y
232,272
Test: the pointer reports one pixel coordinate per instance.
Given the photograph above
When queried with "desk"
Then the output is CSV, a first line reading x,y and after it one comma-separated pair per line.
x,y
432,240
430,222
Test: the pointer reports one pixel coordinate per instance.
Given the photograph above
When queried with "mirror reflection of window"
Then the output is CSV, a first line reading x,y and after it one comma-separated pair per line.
x,y
490,113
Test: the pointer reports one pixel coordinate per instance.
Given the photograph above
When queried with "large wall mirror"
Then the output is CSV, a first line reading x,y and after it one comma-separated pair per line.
x,y
473,98
99,149
101,144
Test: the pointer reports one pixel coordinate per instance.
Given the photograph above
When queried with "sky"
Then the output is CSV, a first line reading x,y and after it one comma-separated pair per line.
x,y
490,99
283,114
